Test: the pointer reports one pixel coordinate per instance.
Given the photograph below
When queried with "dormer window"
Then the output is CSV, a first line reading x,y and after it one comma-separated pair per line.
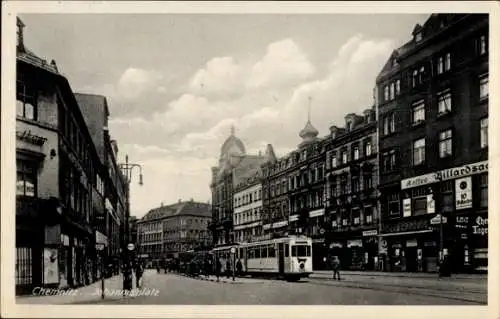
x,y
418,36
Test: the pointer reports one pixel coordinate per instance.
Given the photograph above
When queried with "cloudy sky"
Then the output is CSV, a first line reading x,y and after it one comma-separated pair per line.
x,y
176,83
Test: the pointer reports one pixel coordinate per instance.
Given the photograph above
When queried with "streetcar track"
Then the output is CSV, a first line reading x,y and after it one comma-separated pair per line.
x,y
407,290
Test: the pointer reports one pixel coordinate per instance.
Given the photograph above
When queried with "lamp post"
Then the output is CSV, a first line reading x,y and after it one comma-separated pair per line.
x,y
127,169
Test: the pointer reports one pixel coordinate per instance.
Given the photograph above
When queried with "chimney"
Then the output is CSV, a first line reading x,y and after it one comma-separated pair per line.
x,y
20,35
54,65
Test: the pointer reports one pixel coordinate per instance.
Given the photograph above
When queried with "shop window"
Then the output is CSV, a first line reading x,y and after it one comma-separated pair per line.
x,y
26,184
23,266
483,185
26,101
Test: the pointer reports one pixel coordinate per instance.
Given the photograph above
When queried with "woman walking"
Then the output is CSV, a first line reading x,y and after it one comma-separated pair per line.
x,y
336,267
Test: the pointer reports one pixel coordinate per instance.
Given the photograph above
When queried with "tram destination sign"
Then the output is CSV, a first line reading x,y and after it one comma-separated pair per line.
x,y
445,174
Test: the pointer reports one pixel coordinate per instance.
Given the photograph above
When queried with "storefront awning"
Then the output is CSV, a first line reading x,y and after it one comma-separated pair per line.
x,y
406,233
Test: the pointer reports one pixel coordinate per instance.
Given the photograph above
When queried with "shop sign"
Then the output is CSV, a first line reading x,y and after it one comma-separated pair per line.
x,y
101,238
431,206
316,213
436,220
294,218
30,138
266,226
406,226
461,222
336,244
480,226
406,207
411,243
370,232
50,266
446,174
463,191
280,224
354,243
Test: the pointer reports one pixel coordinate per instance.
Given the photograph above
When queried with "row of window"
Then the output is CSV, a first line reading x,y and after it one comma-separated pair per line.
x,y
340,185
355,154
442,64
312,200
249,198
247,234
250,215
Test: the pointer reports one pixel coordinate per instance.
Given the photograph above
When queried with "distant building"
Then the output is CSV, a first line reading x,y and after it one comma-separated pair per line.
x,y
433,144
248,206
233,163
169,229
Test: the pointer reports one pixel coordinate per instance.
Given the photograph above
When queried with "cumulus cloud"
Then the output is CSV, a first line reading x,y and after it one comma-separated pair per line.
x,y
220,77
134,81
283,64
180,143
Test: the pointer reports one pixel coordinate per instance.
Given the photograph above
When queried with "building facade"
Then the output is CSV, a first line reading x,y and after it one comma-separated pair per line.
x,y
248,207
433,144
351,196
167,230
59,179
96,113
233,163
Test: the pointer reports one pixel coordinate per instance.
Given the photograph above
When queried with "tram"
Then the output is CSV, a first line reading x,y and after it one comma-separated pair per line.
x,y
288,258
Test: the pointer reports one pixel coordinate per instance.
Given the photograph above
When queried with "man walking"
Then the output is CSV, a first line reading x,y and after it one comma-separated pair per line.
x,y
336,267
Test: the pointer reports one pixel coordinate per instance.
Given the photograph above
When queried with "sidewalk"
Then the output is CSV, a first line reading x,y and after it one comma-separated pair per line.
x,y
329,273
112,286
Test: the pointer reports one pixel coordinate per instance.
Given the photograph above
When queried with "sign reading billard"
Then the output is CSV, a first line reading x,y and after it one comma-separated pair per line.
x,y
446,174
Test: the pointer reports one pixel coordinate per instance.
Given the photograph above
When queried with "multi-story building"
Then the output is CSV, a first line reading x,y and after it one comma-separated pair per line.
x,y
150,234
166,231
248,206
351,197
185,227
59,179
96,113
293,192
433,144
233,162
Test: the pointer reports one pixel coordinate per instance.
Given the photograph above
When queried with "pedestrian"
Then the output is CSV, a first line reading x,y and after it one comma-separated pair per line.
x,y
139,270
127,277
239,267
228,268
218,267
336,267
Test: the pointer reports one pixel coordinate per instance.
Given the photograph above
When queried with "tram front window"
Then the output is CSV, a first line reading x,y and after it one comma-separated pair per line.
x,y
301,251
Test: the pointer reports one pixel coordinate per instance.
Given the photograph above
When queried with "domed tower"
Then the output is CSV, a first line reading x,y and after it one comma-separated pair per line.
x,y
309,132
233,146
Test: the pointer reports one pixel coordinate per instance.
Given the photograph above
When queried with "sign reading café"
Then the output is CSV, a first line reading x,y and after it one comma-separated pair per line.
x,y
446,174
